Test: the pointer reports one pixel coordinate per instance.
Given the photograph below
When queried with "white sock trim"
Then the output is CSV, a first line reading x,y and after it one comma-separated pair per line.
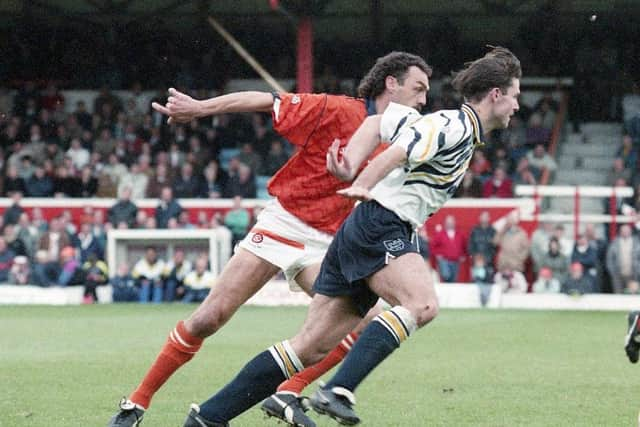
x,y
407,318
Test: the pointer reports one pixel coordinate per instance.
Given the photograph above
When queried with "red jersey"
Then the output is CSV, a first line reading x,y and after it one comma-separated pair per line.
x,y
303,185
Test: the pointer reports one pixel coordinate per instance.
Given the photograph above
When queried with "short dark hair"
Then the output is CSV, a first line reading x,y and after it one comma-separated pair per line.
x,y
495,69
394,64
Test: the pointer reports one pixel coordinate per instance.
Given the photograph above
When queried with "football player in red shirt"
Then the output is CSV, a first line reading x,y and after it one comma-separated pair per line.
x,y
295,229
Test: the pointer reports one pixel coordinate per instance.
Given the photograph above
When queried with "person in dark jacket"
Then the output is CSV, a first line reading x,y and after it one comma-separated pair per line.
x,y
481,239
167,208
124,211
578,283
39,184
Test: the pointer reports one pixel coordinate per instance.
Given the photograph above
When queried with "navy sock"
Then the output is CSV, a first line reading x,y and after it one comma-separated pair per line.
x,y
373,346
256,381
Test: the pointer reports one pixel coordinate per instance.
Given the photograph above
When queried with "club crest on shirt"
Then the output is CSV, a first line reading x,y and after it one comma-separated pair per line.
x,y
257,238
394,245
295,99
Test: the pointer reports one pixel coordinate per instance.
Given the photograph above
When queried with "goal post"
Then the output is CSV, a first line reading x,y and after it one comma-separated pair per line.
x,y
128,245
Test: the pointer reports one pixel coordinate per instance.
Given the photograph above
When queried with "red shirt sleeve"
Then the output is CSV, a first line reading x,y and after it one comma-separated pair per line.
x,y
295,116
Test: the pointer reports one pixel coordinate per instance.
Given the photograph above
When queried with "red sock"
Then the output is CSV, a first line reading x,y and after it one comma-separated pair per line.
x,y
299,381
178,350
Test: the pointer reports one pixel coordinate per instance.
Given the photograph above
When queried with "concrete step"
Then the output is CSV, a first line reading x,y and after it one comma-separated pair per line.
x,y
600,163
579,177
601,128
595,150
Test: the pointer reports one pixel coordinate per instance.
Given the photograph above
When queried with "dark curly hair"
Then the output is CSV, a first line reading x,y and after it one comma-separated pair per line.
x,y
495,69
394,64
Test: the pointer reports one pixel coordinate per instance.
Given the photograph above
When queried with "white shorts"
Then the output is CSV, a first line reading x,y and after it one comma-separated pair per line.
x,y
286,242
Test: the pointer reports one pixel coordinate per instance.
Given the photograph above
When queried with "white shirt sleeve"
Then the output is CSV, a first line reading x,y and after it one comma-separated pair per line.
x,y
394,119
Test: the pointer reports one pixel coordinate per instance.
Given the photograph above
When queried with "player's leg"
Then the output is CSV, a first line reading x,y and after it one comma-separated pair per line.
x,y
328,321
632,341
242,277
406,284
296,384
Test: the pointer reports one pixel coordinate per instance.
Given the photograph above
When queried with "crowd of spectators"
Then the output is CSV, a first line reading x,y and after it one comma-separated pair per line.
x,y
549,261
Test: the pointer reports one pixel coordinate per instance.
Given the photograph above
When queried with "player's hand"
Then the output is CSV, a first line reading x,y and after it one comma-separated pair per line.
x,y
357,193
180,107
337,164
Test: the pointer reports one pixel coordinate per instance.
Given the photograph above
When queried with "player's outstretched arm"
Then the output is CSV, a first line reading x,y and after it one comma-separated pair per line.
x,y
181,108
359,148
379,167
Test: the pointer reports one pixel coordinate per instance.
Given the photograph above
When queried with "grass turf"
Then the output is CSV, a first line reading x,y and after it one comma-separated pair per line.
x,y
68,366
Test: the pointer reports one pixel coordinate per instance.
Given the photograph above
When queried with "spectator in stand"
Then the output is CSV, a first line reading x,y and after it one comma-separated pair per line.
x,y
237,220
27,233
88,184
186,185
555,261
96,273
69,271
600,247
83,117
176,156
524,175
87,244
6,260
275,158
566,243
161,178
99,228
13,212
578,283
546,283
124,285
124,211
586,255
618,172
39,185
501,159
167,208
536,132
471,186
20,273
10,234
448,245
114,168
13,182
64,184
481,239
136,181
628,152
38,220
241,182
513,246
198,282
480,165
53,240
499,185
249,157
184,221
215,181
547,108
511,281
198,156
148,272
141,219
175,272
623,259
540,160
482,275
79,155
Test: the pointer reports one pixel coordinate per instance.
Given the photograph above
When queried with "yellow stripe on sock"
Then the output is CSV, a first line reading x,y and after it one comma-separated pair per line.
x,y
395,324
285,357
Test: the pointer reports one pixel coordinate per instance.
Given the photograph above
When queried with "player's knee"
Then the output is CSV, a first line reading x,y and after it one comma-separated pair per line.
x,y
209,318
425,312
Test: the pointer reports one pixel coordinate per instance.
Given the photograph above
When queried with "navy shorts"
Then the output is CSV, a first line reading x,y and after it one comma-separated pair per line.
x,y
365,242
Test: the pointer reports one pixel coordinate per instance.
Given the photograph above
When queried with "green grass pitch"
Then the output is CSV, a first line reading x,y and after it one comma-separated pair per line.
x,y
69,366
